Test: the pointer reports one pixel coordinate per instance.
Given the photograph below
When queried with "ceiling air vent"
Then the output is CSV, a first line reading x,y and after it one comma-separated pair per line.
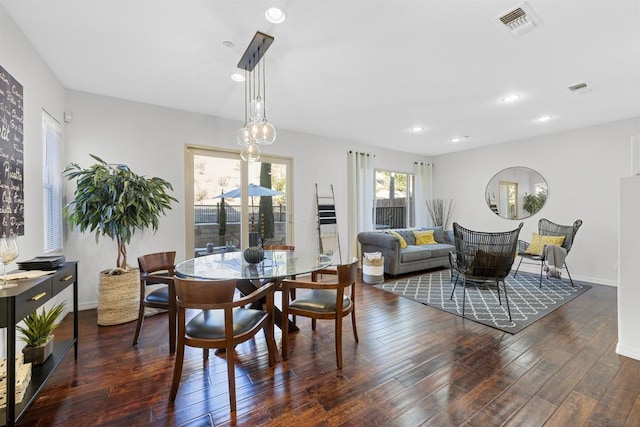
x,y
519,20
579,89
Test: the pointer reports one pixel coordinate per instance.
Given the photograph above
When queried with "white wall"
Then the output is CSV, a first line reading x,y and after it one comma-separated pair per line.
x,y
152,140
42,90
628,290
582,169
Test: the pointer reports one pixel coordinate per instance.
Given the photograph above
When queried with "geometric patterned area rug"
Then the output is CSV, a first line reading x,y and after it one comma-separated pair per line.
x,y
528,302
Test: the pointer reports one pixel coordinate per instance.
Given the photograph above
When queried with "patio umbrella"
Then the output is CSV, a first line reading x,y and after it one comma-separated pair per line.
x,y
252,191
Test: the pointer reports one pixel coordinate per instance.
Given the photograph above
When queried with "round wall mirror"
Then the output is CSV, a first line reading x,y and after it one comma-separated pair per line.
x,y
516,193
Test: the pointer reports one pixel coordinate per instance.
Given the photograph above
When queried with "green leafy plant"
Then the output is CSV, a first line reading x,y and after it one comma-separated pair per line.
x,y
39,326
112,200
534,202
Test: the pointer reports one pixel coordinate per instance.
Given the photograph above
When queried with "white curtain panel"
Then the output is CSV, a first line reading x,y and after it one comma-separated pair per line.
x,y
424,191
361,197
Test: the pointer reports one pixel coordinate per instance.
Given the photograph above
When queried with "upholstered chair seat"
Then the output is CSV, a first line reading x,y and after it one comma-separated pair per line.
x,y
319,301
159,296
209,324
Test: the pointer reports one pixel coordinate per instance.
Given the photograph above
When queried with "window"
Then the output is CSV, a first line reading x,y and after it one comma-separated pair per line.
x,y
217,227
395,206
51,183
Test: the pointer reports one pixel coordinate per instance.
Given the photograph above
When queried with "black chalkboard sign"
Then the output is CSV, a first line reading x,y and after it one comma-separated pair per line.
x,y
11,156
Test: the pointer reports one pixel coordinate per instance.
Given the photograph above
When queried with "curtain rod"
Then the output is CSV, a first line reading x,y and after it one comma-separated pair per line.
x,y
362,154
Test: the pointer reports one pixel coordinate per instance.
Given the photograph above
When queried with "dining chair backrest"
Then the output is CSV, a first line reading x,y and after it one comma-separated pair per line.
x,y
159,261
279,248
203,294
348,273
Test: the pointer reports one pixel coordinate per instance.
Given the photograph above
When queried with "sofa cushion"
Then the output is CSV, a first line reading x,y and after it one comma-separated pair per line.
x,y
440,249
407,235
416,253
438,233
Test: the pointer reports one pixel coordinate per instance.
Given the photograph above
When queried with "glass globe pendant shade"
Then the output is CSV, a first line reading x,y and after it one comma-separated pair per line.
x,y
250,153
266,133
243,136
253,131
256,110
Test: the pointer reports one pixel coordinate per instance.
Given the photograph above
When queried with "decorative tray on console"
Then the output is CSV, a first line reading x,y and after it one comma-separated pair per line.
x,y
42,263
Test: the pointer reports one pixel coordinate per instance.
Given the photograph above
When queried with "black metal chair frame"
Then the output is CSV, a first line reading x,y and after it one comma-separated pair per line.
x,y
548,228
482,257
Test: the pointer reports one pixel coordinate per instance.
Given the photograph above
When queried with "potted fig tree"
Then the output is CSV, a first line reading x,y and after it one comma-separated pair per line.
x,y
38,334
112,200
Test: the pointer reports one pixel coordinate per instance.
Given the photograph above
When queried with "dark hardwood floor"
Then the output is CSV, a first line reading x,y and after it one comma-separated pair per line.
x,y
415,365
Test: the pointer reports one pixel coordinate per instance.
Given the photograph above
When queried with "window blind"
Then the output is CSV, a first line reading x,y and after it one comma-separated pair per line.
x,y
51,183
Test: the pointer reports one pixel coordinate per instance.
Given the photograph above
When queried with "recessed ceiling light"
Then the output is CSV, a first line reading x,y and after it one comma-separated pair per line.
x,y
458,139
275,15
417,129
544,118
511,98
237,77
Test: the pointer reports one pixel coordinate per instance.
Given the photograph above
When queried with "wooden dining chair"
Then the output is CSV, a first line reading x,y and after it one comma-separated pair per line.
x,y
223,323
323,301
157,269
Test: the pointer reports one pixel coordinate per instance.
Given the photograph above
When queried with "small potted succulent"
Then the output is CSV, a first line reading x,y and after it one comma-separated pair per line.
x,y
37,333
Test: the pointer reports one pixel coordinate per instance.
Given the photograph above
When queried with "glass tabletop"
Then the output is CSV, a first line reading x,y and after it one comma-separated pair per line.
x,y
231,265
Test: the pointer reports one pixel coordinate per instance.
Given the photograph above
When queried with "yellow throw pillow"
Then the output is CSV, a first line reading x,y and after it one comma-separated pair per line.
x,y
538,242
424,237
403,243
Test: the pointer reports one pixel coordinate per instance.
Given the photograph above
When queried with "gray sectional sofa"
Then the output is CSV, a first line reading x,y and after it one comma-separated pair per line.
x,y
414,257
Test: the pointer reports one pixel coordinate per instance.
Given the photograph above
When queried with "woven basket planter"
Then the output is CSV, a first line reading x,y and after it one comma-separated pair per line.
x,y
118,298
373,270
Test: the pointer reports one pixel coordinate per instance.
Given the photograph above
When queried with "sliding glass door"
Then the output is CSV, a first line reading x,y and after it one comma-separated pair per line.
x,y
229,197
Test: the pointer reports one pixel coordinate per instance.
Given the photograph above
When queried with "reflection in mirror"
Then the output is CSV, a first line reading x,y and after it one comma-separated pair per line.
x,y
516,193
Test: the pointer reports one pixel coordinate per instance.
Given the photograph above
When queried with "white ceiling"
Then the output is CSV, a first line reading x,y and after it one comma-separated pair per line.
x,y
357,70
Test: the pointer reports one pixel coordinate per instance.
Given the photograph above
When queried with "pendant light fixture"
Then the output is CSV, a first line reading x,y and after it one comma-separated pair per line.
x,y
256,130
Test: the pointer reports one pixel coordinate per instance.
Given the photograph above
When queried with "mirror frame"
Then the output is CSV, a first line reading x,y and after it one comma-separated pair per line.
x,y
506,191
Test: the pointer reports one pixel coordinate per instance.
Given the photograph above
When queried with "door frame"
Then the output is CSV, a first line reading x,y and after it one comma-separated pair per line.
x,y
191,150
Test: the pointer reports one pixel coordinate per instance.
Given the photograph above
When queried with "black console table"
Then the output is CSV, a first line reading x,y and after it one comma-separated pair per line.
x,y
17,303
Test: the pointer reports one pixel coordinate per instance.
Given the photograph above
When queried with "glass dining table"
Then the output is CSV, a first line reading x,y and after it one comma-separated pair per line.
x,y
276,265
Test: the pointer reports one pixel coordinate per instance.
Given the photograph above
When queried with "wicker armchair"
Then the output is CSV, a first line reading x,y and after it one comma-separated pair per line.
x,y
482,257
548,228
